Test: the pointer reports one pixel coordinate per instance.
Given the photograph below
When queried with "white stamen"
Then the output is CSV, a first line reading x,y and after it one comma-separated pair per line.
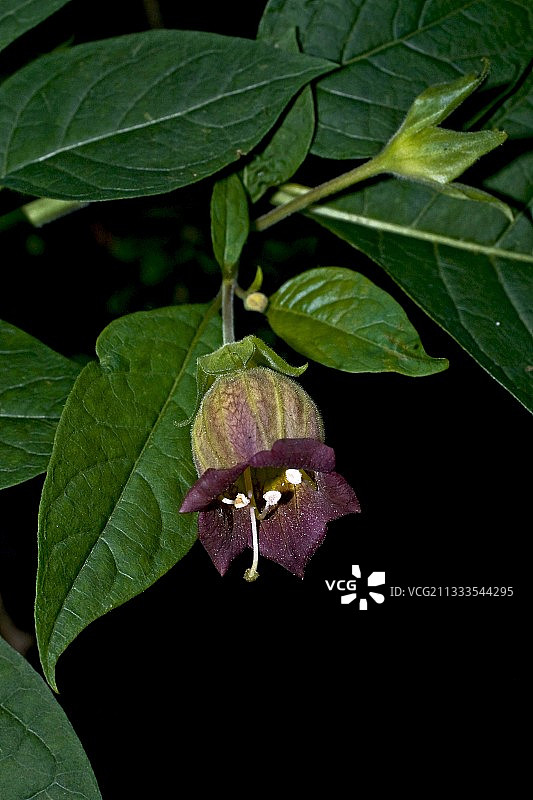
x,y
271,498
294,476
241,501
228,501
252,573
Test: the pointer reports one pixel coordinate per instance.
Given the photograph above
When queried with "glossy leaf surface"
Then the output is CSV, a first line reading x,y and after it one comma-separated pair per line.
x,y
342,320
289,144
462,262
142,114
466,263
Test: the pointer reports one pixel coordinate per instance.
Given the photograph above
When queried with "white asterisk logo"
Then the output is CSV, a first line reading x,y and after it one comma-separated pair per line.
x,y
374,579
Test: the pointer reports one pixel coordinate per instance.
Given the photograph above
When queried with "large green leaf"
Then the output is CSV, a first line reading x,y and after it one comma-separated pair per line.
x,y
40,754
34,384
142,114
392,51
290,142
515,179
462,262
342,320
109,524
18,16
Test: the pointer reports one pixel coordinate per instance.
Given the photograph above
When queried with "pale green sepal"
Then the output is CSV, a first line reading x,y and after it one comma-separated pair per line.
x,y
437,154
421,151
247,353
436,103
257,282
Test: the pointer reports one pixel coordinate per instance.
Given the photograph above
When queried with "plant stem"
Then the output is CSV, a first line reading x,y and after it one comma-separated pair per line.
x,y
367,170
228,330
153,13
46,209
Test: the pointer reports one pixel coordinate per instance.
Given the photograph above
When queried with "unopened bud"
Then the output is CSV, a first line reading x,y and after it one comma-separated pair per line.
x,y
256,301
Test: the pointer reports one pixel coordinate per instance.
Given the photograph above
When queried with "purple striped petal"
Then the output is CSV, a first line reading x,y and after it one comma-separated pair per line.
x,y
295,529
308,454
207,488
225,533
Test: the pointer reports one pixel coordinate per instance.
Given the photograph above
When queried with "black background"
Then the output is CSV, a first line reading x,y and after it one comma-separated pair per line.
x,y
437,463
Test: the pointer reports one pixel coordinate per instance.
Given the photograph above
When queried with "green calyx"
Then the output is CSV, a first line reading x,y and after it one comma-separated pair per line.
x,y
248,353
422,151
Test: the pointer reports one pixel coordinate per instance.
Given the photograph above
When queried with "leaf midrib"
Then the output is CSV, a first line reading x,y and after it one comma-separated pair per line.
x,y
404,230
145,124
201,328
408,36
368,342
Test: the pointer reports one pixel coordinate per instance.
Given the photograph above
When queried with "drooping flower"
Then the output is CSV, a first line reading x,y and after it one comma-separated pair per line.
x,y
266,479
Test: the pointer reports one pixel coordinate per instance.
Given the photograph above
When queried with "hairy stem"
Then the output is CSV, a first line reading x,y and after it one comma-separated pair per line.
x,y
228,329
367,170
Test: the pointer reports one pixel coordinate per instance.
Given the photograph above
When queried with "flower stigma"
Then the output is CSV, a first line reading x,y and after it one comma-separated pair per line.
x,y
252,574
274,485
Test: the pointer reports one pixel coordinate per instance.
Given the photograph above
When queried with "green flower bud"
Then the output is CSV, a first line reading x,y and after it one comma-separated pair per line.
x,y
422,151
256,301
246,412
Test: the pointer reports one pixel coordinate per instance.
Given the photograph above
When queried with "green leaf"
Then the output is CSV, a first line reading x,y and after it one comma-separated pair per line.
x,y
462,262
342,320
142,114
515,179
290,142
516,113
18,16
34,384
230,222
468,267
40,753
109,524
247,353
391,51
461,192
